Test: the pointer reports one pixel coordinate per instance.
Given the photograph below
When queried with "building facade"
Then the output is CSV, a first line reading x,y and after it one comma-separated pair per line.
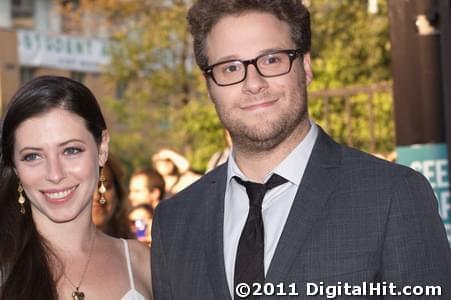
x,y
34,41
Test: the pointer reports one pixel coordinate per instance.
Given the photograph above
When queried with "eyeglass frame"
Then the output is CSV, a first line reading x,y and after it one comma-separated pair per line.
x,y
292,55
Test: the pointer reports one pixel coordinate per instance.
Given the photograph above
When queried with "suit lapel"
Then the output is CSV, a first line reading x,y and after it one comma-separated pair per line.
x,y
214,243
317,184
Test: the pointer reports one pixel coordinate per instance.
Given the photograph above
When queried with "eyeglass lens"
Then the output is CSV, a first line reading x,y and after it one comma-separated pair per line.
x,y
270,65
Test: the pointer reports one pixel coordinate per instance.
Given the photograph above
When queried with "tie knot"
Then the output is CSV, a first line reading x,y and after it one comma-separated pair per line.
x,y
256,191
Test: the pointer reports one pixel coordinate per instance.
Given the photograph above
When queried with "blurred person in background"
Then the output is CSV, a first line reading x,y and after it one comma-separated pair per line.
x,y
146,187
110,215
220,157
175,170
140,218
54,141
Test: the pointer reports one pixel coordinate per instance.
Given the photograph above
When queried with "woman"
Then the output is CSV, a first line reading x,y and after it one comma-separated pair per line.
x,y
110,215
54,142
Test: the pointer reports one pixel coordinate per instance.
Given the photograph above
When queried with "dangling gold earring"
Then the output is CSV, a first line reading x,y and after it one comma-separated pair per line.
x,y
102,188
21,199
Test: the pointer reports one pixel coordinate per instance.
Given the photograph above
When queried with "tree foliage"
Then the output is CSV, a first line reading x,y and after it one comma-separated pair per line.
x,y
351,47
162,100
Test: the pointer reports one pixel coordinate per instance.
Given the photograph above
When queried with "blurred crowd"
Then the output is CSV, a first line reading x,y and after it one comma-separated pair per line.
x,y
128,208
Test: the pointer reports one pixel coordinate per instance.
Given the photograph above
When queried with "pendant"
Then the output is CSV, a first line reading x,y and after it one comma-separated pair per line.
x,y
78,295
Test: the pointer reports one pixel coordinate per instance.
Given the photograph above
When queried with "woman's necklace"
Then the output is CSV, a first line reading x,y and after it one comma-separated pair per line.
x,y
77,294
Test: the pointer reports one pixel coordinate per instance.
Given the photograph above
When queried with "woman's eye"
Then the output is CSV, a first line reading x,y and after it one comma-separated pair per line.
x,y
72,151
31,157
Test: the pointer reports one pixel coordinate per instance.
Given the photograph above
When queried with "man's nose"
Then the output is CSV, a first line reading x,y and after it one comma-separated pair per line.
x,y
254,82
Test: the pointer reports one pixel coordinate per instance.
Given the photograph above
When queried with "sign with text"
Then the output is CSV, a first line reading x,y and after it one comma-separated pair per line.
x,y
432,161
38,49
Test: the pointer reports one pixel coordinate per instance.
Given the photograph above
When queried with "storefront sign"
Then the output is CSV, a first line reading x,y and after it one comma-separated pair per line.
x,y
432,161
37,49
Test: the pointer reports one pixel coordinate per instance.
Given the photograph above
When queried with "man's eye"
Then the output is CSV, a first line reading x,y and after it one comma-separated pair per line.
x,y
231,68
272,60
31,157
72,151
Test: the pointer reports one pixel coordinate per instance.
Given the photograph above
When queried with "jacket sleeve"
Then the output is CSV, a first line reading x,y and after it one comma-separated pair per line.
x,y
415,250
160,278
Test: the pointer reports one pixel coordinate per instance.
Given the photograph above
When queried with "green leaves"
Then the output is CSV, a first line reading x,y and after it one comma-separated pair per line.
x,y
350,47
162,100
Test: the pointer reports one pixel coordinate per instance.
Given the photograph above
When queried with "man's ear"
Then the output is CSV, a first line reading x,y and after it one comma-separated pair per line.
x,y
208,85
104,147
209,95
308,67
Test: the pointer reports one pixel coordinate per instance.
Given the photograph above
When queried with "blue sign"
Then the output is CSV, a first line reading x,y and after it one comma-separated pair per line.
x,y
432,161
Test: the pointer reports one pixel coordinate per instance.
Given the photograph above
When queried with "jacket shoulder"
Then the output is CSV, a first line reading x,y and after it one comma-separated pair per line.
x,y
365,163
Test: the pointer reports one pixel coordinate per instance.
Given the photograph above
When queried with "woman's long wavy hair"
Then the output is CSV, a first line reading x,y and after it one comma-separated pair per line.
x,y
27,264
117,226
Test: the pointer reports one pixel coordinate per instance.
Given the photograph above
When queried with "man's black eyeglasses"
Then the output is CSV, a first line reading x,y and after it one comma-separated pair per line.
x,y
234,71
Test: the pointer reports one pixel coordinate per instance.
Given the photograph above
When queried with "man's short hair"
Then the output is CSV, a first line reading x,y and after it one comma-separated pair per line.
x,y
204,14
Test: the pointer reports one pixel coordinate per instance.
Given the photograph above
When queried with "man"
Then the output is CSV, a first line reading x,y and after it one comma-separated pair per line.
x,y
337,217
146,187
175,169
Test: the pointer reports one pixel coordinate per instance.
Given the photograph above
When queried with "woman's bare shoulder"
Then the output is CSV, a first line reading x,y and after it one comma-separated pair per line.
x,y
140,258
139,250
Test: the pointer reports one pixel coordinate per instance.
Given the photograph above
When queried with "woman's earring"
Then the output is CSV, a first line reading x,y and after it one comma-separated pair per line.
x,y
21,199
102,188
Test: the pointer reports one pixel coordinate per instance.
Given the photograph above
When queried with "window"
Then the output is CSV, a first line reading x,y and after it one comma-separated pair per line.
x,y
22,13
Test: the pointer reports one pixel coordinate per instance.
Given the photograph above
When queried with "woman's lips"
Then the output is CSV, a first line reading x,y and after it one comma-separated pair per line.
x,y
58,196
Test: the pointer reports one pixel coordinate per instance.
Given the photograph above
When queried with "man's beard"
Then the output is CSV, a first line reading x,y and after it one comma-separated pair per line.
x,y
269,134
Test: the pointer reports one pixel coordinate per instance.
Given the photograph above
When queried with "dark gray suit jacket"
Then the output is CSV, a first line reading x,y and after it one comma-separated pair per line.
x,y
354,219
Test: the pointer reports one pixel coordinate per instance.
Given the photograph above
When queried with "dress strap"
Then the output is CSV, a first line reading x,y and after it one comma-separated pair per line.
x,y
129,265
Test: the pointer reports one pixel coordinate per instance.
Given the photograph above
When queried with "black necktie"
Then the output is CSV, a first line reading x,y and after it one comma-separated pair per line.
x,y
249,264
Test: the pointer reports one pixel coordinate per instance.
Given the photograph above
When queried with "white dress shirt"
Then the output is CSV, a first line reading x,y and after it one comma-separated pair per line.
x,y
275,207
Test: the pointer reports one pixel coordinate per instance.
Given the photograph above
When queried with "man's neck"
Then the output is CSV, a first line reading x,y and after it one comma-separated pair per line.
x,y
255,165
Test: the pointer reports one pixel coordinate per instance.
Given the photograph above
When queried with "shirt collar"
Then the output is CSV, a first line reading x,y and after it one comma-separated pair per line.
x,y
291,168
